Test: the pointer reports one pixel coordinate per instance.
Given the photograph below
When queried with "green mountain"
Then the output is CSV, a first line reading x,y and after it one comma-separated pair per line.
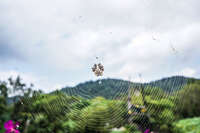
x,y
170,84
112,88
108,88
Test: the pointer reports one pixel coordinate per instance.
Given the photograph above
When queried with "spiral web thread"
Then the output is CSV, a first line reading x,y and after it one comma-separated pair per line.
x,y
113,113
104,116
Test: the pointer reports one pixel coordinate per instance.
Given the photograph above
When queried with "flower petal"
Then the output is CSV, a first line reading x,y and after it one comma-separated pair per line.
x,y
147,131
16,131
8,131
8,124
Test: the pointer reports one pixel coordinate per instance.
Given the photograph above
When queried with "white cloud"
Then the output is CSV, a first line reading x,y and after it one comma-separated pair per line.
x,y
39,82
189,72
4,75
59,40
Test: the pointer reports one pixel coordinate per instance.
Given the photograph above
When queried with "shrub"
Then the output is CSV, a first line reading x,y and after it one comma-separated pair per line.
x,y
191,125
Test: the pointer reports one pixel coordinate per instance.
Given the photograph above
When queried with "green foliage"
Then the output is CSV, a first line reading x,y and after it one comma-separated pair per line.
x,y
71,126
3,109
115,88
107,89
132,129
191,125
96,112
189,98
161,112
101,114
4,89
154,92
170,84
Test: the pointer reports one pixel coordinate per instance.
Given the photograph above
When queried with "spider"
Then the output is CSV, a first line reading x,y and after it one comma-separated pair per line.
x,y
98,69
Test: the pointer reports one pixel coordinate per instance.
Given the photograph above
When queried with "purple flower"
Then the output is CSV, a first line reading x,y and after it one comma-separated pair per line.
x,y
147,131
11,127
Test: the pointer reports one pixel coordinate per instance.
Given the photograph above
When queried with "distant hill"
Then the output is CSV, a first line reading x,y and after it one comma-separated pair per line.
x,y
112,88
107,88
170,83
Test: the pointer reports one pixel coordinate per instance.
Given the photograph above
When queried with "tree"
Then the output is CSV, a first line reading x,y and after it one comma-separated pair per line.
x,y
188,104
4,89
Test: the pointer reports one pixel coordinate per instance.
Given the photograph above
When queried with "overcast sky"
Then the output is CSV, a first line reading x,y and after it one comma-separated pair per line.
x,y
54,43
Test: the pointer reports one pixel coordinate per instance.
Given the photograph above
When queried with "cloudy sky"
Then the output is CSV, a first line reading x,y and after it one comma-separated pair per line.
x,y
54,43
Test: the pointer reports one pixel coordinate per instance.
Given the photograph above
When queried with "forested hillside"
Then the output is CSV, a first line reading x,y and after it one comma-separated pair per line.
x,y
113,88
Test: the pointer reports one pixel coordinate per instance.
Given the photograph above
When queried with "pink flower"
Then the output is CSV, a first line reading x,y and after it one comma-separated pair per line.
x,y
11,127
147,131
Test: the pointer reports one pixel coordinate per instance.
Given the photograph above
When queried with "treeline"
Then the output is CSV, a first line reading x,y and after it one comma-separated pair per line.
x,y
113,88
